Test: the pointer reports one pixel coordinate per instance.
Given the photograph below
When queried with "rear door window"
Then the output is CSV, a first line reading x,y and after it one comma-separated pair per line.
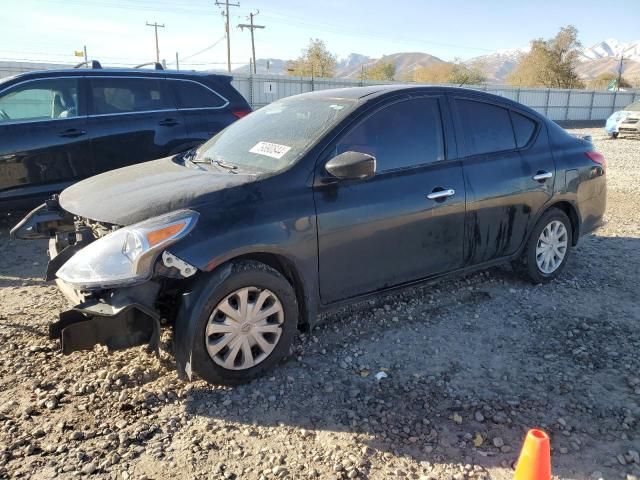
x,y
404,134
128,95
523,127
40,100
486,128
195,95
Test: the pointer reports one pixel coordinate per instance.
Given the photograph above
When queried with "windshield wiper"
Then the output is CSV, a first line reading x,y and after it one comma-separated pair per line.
x,y
228,166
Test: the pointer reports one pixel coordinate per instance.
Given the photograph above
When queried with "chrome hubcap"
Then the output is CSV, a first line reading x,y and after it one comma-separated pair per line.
x,y
244,328
552,247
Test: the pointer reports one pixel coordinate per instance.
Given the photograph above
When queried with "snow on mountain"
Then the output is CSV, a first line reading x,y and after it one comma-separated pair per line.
x,y
595,60
352,60
498,64
612,48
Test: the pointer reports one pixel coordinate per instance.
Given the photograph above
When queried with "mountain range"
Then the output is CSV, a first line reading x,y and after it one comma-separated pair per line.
x,y
599,58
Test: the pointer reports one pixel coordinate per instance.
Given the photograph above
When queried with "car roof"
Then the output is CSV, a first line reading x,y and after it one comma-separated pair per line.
x,y
372,92
119,71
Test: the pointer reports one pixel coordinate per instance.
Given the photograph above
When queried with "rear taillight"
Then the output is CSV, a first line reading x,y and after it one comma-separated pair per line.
x,y
241,113
598,158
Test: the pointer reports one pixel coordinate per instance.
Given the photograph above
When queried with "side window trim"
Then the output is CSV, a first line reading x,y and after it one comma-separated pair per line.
x,y
439,97
138,112
82,106
460,133
224,99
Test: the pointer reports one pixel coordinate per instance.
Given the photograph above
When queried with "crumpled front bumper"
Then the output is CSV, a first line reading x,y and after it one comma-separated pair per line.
x,y
117,327
116,318
623,122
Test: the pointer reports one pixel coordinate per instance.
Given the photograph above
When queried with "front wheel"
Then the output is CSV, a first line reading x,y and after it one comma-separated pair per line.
x,y
246,326
548,247
614,135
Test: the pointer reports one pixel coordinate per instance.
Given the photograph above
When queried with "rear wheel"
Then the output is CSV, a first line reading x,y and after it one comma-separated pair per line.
x,y
614,135
548,247
246,326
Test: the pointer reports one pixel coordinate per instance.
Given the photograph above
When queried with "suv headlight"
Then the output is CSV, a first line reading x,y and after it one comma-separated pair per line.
x,y
127,255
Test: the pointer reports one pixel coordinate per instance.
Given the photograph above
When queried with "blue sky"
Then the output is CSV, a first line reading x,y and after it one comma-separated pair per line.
x,y
115,32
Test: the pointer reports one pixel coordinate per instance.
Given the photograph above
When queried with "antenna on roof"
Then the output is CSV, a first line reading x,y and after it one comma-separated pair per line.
x,y
94,64
156,65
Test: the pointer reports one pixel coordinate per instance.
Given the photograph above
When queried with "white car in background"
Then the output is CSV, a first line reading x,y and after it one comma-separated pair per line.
x,y
625,121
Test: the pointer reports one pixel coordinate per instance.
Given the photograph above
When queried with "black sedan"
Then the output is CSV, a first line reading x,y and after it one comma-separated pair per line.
x,y
309,203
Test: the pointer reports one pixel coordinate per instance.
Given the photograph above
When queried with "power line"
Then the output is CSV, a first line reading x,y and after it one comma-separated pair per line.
x,y
204,49
226,16
284,18
252,27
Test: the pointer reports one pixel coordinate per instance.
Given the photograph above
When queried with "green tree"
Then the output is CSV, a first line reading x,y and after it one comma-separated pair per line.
x,y
550,63
380,71
315,61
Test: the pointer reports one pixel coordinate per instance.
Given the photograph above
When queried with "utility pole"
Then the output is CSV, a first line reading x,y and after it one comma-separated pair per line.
x,y
155,25
226,15
252,27
177,62
619,73
86,60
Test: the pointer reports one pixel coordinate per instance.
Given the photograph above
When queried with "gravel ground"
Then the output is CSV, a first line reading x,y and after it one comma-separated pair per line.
x,y
470,365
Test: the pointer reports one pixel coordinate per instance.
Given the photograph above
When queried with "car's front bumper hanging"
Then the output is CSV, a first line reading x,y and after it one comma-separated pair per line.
x,y
92,323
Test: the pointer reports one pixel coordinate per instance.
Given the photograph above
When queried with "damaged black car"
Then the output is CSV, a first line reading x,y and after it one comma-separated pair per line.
x,y
310,203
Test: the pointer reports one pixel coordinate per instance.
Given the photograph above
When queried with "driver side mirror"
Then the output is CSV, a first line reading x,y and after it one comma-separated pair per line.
x,y
352,166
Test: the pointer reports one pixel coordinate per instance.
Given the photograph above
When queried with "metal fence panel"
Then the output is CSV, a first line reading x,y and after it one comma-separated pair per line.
x,y
557,104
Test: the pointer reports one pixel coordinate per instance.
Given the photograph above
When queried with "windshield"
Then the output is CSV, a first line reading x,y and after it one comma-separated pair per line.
x,y
634,107
275,136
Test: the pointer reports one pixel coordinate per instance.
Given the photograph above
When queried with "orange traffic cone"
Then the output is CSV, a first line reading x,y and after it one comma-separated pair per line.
x,y
534,462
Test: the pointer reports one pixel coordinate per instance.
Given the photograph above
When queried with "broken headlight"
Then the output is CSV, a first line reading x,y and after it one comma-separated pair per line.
x,y
126,256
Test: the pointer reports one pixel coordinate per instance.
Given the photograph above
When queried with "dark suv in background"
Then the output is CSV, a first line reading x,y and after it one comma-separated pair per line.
x,y
60,126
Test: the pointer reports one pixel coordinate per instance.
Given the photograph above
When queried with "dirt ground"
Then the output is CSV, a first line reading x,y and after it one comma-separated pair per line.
x,y
471,364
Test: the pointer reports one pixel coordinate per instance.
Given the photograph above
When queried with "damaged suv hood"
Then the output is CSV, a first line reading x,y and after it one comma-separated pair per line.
x,y
132,194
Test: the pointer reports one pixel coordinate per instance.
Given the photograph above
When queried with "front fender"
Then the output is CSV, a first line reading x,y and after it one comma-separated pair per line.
x,y
191,305
217,240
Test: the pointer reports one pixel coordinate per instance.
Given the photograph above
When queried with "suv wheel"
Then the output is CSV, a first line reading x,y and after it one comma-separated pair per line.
x,y
247,325
548,247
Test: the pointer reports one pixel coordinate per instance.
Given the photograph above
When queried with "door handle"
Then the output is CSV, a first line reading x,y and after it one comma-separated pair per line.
x,y
71,133
437,195
542,176
168,122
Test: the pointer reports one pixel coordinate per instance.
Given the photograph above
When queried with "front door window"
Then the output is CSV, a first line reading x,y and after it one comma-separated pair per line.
x,y
40,100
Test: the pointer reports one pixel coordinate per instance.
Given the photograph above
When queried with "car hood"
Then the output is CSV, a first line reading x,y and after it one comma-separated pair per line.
x,y
132,194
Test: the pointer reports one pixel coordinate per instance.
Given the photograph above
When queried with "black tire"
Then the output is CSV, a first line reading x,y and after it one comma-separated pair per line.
x,y
614,135
528,263
245,274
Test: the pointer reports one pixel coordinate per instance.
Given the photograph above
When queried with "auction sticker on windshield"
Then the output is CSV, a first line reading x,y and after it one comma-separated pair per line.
x,y
269,149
